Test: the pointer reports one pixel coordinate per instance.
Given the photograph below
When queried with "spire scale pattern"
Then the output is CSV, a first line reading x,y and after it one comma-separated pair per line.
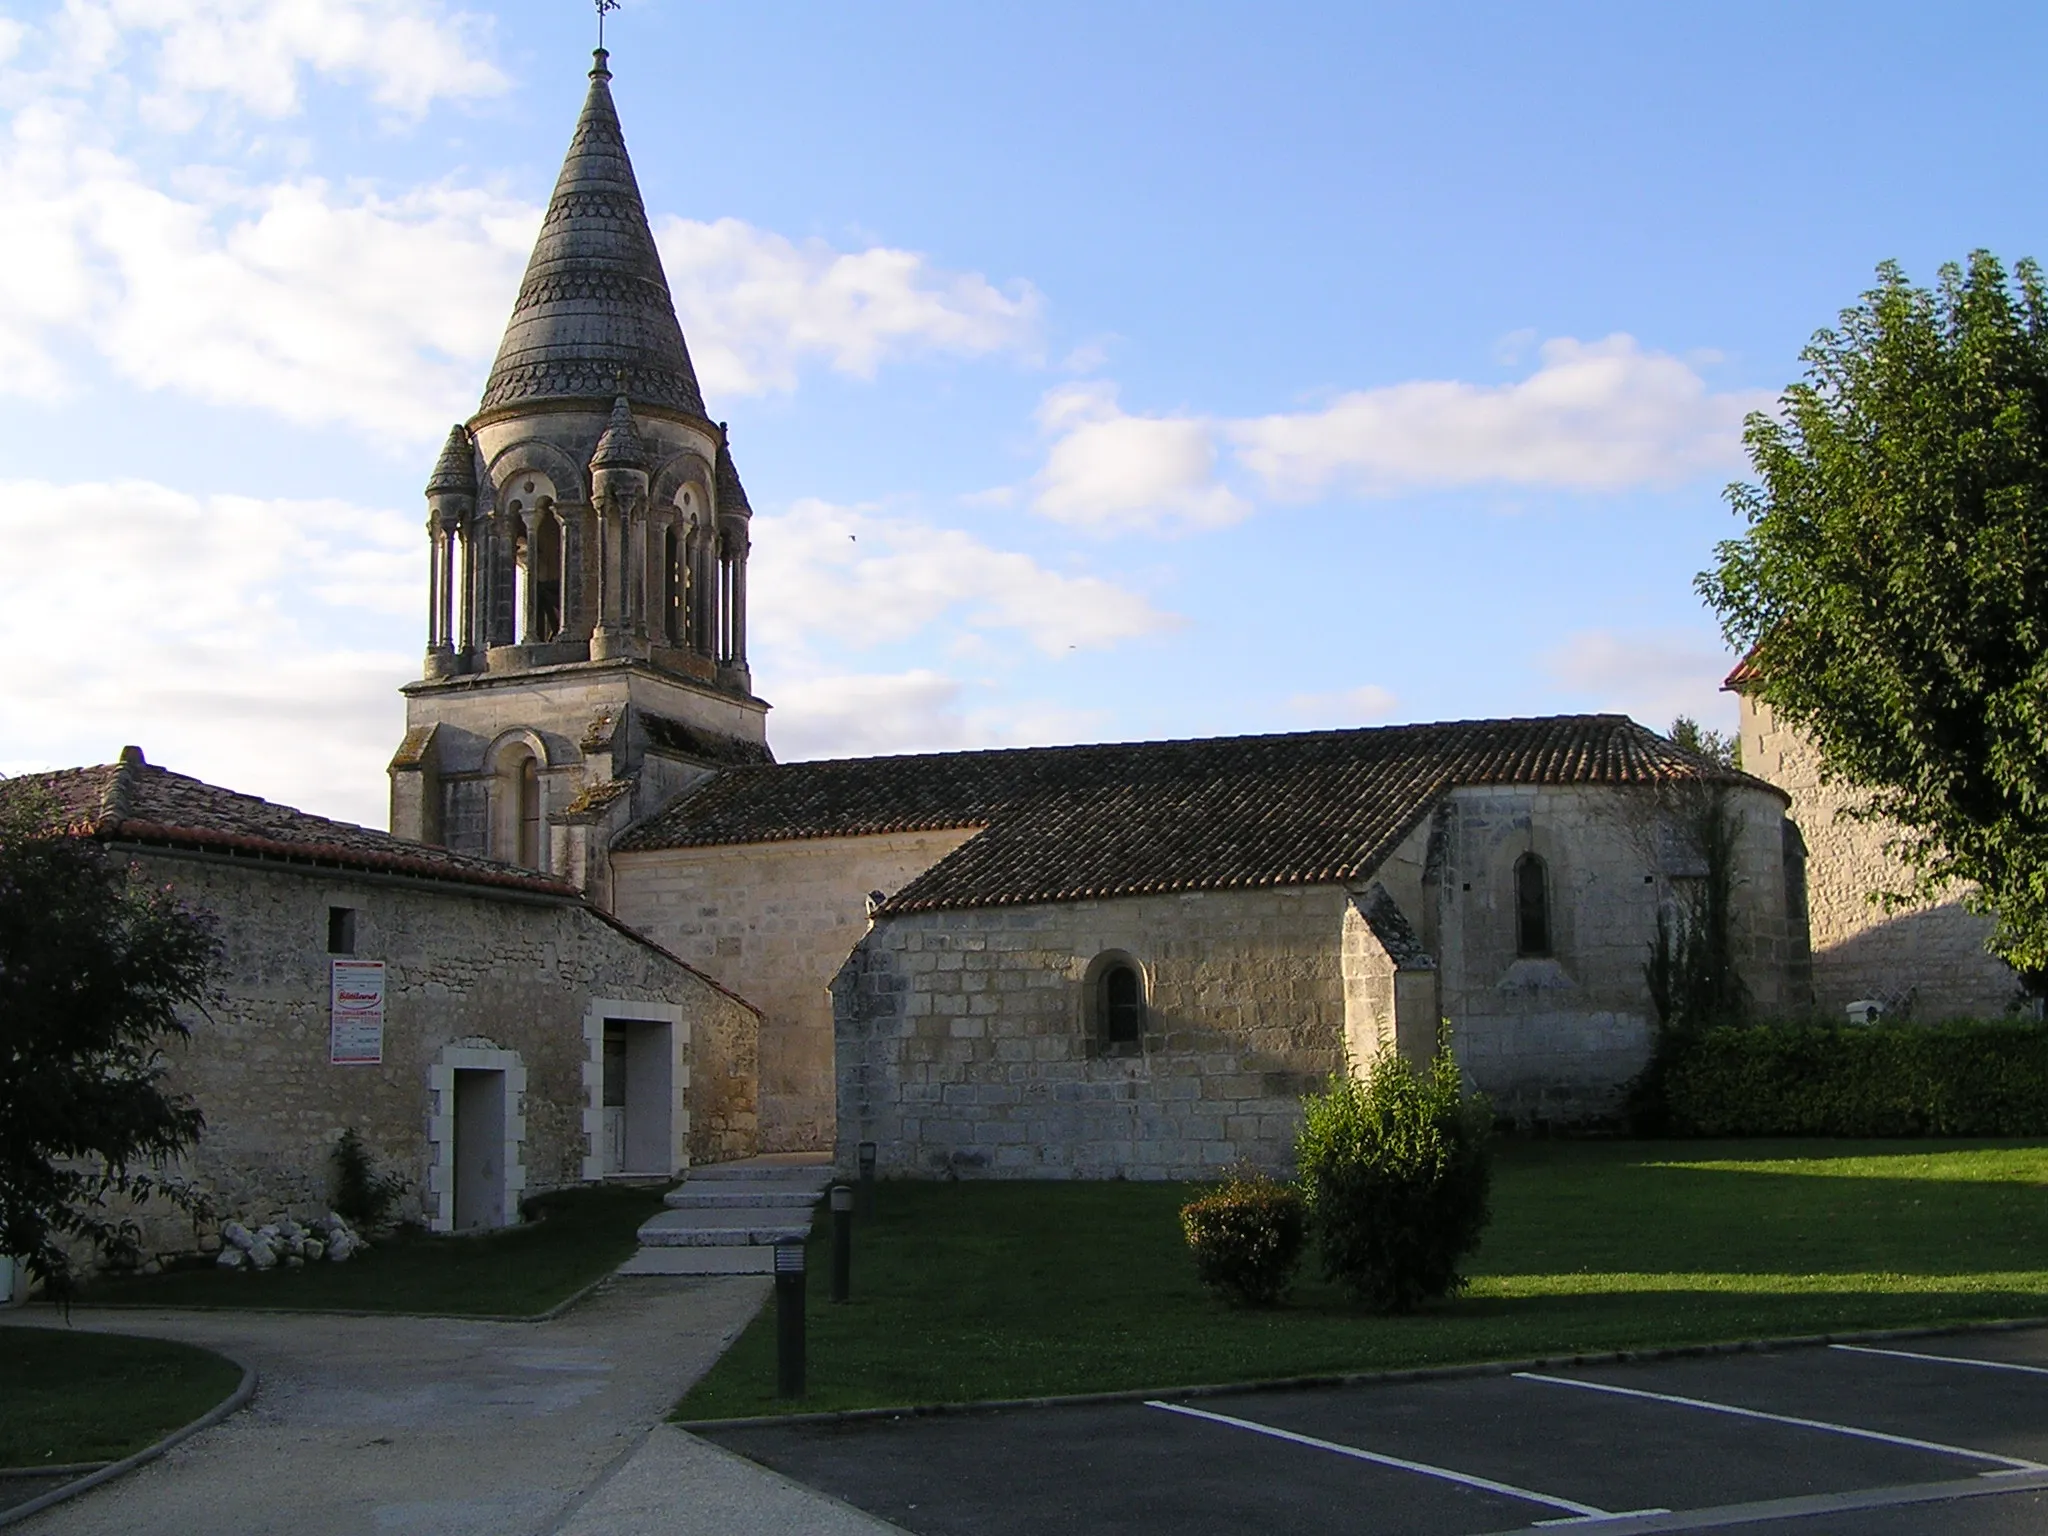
x,y
594,318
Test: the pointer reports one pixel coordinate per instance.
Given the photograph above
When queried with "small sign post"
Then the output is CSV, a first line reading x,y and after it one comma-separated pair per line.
x,y
842,1241
355,1003
867,1178
789,1318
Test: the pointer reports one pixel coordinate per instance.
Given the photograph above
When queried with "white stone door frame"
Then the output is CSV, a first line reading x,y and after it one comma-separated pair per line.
x,y
620,1011
473,1056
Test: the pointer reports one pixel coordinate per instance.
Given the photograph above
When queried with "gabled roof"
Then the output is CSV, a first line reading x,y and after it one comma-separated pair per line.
x,y
1071,823
134,801
594,318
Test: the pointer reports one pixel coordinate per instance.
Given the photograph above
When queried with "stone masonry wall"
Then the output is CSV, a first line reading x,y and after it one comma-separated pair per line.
x,y
462,968
775,921
1928,961
1554,1038
965,1046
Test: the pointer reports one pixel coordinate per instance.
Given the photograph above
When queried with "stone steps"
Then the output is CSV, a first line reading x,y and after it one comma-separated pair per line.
x,y
736,1196
723,1228
726,1218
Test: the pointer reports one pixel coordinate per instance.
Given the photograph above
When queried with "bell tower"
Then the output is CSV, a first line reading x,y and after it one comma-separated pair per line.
x,y
587,596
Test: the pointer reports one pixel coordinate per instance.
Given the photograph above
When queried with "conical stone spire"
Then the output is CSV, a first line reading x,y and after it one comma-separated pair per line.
x,y
455,471
620,447
594,316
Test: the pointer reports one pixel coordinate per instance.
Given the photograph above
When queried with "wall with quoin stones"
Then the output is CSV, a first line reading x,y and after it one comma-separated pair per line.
x,y
461,967
1929,959
1555,1037
964,1045
774,921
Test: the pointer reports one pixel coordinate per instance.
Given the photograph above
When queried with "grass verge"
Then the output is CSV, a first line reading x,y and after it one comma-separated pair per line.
x,y
71,1396
582,1235
985,1290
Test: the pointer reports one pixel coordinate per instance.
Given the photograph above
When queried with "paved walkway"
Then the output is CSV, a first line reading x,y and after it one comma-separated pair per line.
x,y
376,1425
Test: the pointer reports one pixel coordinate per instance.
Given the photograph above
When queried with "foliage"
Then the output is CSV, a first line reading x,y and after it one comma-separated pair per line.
x,y
1891,588
1015,1288
362,1196
94,969
572,1239
1695,983
1715,746
1396,1168
1962,1078
1247,1238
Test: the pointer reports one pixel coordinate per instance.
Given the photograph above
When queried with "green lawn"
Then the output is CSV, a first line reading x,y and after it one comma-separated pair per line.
x,y
583,1235
68,1396
995,1290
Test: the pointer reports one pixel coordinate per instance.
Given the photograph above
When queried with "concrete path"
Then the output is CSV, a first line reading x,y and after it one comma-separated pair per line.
x,y
375,1425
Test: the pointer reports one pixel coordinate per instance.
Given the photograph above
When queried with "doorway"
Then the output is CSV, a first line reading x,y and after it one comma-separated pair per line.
x,y
637,1114
479,1148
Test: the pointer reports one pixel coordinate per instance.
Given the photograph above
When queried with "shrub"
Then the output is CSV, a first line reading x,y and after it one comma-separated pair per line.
x,y
1395,1168
1247,1238
362,1196
1964,1078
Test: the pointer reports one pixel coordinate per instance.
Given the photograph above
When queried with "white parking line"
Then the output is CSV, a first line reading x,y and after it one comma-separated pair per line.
x,y
1907,1354
1586,1512
2015,1462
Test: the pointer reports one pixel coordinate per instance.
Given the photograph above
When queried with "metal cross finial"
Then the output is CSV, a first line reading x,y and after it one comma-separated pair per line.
x,y
602,7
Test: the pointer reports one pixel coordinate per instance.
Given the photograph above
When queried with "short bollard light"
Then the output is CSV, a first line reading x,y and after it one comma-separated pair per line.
x,y
867,1178
842,1242
789,1318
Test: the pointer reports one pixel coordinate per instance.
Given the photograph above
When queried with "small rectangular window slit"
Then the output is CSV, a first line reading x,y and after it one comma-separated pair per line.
x,y
341,930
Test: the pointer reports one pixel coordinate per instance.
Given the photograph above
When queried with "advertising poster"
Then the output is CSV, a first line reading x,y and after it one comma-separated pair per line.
x,y
356,1013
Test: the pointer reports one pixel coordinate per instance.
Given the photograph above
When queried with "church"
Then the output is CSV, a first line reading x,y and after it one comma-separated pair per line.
x,y
1092,960
608,934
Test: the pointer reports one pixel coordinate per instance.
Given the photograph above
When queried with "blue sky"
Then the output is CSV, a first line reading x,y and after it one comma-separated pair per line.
x,y
1096,371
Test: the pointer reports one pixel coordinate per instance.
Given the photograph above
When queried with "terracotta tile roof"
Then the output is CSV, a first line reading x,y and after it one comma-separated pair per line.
x,y
133,801
1744,676
1069,823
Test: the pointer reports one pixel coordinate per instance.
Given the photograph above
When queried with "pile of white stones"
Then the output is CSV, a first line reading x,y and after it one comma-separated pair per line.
x,y
285,1242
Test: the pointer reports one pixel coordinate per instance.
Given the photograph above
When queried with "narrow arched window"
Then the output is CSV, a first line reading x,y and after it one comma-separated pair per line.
x,y
1123,1005
529,814
1532,906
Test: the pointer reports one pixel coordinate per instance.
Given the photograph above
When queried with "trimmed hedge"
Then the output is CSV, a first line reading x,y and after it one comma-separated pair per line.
x,y
1965,1078
1247,1239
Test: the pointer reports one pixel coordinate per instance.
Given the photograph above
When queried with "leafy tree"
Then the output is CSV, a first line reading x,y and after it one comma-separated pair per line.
x,y
1892,587
1715,746
94,968
1397,1172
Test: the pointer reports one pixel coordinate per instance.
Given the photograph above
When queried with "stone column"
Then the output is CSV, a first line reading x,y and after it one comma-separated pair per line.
x,y
526,554
444,591
739,604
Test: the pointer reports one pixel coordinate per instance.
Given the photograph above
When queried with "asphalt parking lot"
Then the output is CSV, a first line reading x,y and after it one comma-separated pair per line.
x,y
1944,1435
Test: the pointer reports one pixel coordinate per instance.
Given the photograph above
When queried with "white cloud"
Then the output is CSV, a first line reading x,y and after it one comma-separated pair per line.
x,y
1113,472
335,304
1365,705
1594,416
256,644
1651,675
317,304
755,305
867,714
835,577
254,54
